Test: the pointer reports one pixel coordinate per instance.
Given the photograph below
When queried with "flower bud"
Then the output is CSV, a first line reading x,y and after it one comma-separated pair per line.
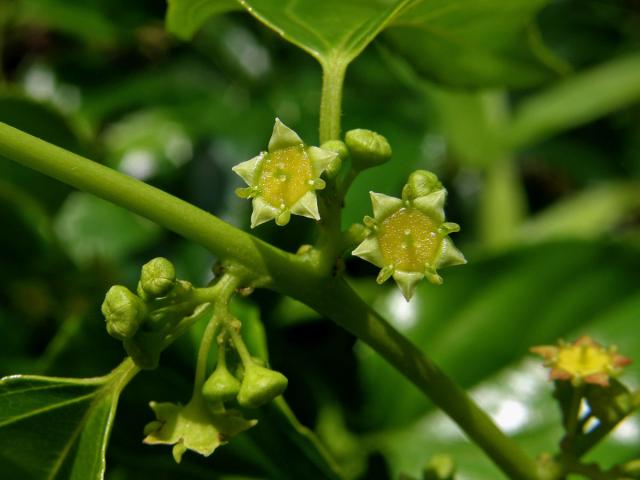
x,y
158,277
420,184
367,149
260,385
123,311
221,386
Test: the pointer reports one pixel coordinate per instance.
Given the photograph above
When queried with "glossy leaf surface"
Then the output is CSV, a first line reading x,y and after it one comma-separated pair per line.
x,y
468,43
57,428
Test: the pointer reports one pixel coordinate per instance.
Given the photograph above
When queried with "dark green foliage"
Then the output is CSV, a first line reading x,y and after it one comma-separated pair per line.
x,y
542,172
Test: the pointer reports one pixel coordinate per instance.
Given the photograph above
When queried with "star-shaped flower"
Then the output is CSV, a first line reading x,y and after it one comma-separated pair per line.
x,y
284,179
584,361
193,427
409,239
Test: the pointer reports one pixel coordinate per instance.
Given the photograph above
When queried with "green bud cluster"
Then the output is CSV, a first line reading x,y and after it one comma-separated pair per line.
x,y
253,384
141,320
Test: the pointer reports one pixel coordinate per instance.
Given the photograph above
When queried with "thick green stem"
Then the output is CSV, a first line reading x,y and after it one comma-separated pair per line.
x,y
122,375
177,215
333,71
289,274
337,300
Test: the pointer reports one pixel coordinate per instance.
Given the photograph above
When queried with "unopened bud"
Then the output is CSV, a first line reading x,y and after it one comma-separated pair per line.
x,y
367,148
123,311
260,385
420,184
158,277
221,386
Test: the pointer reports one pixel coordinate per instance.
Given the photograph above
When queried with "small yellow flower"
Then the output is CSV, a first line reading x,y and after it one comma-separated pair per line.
x,y
408,238
284,179
584,361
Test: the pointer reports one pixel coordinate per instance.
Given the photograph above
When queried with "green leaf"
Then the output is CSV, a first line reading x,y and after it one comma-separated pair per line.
x,y
331,30
58,428
587,214
471,43
90,228
472,123
76,18
185,17
577,100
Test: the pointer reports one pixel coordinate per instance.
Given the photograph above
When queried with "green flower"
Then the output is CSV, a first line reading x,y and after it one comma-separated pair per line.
x,y
193,427
408,238
283,180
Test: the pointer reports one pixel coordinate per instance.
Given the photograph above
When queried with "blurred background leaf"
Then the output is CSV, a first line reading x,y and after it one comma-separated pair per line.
x,y
494,43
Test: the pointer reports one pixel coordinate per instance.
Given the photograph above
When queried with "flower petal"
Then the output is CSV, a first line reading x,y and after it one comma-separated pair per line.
x,y
407,282
320,159
248,170
283,137
384,205
262,212
449,254
307,206
432,204
369,250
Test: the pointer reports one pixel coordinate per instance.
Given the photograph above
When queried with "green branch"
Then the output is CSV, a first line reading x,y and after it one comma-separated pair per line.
x,y
336,300
289,274
172,213
333,71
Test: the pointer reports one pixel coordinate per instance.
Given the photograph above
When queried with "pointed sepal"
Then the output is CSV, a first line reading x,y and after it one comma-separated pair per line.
x,y
407,282
249,170
262,212
369,250
283,137
384,205
307,206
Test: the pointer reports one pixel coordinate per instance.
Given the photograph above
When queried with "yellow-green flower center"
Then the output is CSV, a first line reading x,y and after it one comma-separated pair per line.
x,y
408,240
583,360
286,176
